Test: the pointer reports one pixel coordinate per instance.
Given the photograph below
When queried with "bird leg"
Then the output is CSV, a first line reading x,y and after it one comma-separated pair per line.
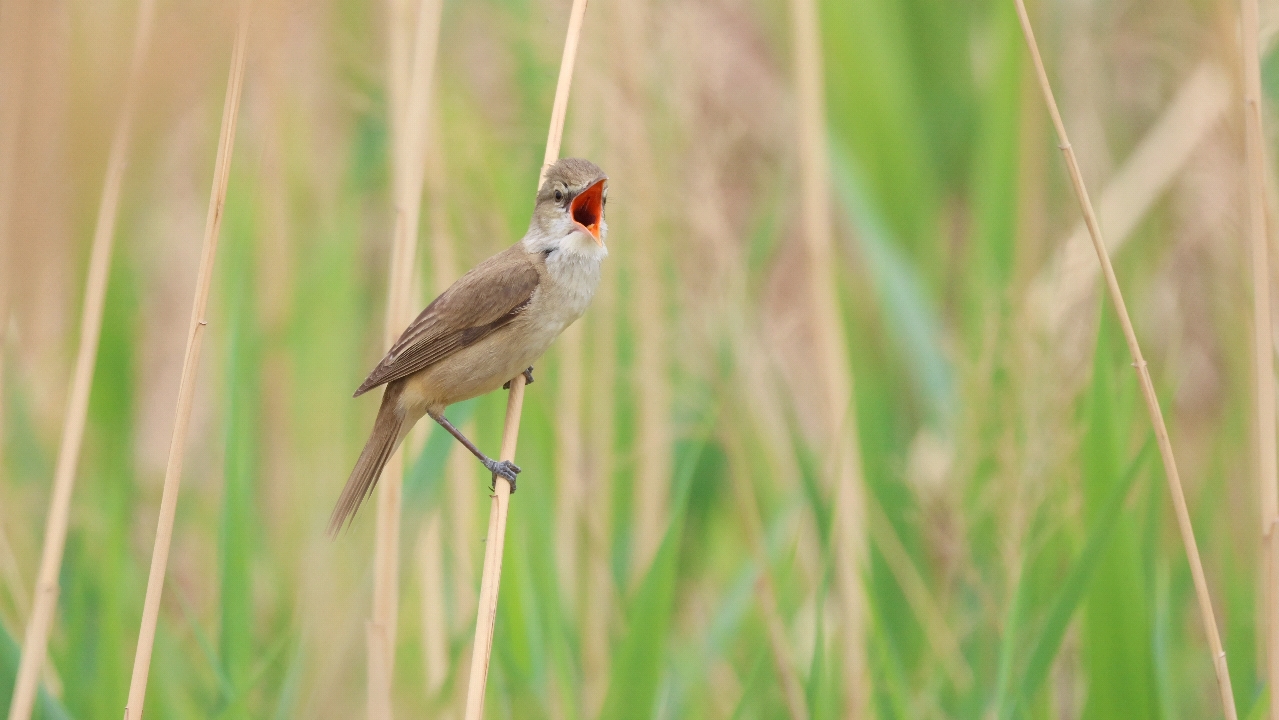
x,y
505,468
528,378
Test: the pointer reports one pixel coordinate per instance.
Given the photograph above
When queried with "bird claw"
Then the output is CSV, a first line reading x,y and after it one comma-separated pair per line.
x,y
528,378
506,469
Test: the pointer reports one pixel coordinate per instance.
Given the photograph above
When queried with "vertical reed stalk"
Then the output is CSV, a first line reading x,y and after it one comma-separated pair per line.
x,y
186,387
408,170
44,604
1262,345
487,611
833,369
1143,374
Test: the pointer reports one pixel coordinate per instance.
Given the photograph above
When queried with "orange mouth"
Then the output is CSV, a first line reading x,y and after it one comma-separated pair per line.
x,y
587,209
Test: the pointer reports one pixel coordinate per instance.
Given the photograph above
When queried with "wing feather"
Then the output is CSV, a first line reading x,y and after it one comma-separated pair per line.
x,y
485,299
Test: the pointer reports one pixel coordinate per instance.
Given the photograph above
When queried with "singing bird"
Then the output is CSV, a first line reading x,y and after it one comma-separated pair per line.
x,y
490,325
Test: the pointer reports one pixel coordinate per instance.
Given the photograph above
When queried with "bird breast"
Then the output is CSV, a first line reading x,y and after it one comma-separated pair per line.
x,y
570,283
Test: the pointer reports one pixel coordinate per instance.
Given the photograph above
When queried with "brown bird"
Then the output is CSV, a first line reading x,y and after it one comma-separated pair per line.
x,y
490,325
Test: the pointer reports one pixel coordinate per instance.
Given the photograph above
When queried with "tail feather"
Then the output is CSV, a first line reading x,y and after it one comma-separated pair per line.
x,y
386,436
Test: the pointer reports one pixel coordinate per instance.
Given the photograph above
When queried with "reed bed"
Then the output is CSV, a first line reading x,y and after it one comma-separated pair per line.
x,y
679,546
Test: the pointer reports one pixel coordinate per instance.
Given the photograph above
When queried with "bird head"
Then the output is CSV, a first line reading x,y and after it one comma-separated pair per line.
x,y
570,207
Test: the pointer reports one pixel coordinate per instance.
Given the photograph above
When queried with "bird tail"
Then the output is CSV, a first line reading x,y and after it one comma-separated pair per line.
x,y
388,430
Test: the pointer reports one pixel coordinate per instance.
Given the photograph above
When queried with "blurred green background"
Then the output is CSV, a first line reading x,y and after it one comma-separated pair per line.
x,y
1021,555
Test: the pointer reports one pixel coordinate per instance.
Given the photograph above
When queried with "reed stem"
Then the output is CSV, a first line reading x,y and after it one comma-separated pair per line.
x,y
190,364
1262,344
486,613
1143,374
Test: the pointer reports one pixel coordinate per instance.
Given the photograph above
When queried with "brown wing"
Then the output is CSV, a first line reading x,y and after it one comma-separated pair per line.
x,y
489,296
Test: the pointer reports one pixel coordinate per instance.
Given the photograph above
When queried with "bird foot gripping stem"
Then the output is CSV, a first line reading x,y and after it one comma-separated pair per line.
x,y
528,378
505,468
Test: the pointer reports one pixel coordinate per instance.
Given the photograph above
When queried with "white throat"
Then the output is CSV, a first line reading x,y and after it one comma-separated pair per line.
x,y
573,264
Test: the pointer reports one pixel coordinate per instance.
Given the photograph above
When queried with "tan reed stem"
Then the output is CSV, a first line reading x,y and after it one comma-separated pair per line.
x,y
833,369
186,387
1143,374
408,164
1262,345
487,611
44,604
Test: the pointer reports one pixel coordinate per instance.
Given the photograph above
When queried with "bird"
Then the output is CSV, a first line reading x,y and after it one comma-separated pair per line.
x,y
489,326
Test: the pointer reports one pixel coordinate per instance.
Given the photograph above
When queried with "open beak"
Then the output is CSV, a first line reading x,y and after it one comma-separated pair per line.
x,y
587,209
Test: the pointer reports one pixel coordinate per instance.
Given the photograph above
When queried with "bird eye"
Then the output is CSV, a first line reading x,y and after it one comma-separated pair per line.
x,y
559,195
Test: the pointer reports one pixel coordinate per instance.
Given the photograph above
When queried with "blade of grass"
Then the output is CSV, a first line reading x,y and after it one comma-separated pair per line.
x,y
237,534
1114,627
1262,345
44,604
1071,594
186,387
1218,653
496,537
1009,635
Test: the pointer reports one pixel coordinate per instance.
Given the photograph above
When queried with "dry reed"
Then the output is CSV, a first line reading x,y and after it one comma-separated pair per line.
x,y
487,610
1143,374
844,465
1263,346
44,604
409,114
190,364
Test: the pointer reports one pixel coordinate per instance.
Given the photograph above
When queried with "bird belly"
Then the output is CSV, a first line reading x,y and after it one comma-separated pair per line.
x,y
479,368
